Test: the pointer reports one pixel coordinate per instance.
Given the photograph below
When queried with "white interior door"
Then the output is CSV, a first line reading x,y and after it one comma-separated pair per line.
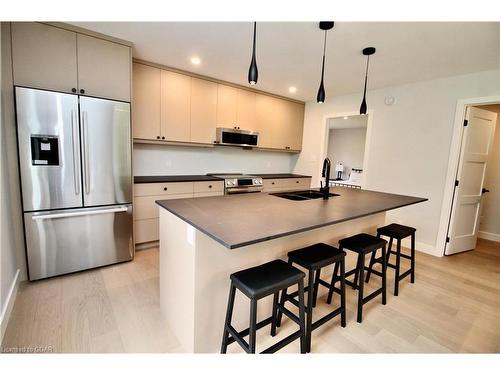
x,y
477,142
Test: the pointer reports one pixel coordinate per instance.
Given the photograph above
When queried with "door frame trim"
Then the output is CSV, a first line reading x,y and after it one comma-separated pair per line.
x,y
453,161
369,126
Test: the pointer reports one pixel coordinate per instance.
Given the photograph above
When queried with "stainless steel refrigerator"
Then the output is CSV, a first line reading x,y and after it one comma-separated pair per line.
x,y
76,181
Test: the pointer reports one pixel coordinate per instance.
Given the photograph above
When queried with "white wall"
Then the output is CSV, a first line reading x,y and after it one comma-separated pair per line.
x,y
348,147
175,160
12,258
490,219
409,145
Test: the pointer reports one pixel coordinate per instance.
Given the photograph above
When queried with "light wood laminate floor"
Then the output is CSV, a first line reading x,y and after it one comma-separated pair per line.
x,y
454,306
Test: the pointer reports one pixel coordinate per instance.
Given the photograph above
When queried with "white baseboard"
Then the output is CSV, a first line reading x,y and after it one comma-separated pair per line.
x,y
420,246
9,304
489,236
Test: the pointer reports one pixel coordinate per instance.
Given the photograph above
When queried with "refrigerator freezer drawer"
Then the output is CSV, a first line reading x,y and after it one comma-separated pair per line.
x,y
65,241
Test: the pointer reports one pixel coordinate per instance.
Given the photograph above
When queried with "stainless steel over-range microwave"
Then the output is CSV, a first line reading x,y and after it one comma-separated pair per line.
x,y
237,137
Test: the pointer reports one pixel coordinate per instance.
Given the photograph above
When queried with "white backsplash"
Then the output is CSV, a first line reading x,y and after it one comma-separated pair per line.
x,y
151,160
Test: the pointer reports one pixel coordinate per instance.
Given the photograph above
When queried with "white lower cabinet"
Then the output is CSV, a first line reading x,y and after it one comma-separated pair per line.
x,y
278,184
146,211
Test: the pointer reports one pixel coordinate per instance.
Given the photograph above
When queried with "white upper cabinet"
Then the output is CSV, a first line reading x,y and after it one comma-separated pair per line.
x,y
227,106
53,58
203,110
44,57
103,68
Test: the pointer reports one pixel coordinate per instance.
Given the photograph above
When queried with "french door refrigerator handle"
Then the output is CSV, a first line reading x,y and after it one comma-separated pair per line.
x,y
86,151
76,164
80,213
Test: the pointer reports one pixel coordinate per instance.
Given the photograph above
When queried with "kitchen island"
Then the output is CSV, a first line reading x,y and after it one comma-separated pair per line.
x,y
204,240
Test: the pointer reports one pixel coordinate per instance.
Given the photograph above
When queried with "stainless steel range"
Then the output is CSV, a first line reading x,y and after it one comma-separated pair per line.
x,y
236,183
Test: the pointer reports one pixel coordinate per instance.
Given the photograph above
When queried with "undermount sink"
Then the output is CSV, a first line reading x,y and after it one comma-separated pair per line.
x,y
302,195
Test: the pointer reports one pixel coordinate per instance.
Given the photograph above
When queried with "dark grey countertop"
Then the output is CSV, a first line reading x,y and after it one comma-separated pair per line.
x,y
244,219
279,175
174,178
187,178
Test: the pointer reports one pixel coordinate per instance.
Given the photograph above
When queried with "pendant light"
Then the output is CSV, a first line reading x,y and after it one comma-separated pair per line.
x,y
253,72
320,98
368,51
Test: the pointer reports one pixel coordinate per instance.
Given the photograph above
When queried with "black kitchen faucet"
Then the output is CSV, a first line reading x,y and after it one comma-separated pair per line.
x,y
326,174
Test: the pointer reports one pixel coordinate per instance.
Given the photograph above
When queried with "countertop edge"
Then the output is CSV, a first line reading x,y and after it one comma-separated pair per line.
x,y
193,178
279,235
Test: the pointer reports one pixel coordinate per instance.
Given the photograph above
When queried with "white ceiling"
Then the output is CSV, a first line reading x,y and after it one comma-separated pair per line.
x,y
289,53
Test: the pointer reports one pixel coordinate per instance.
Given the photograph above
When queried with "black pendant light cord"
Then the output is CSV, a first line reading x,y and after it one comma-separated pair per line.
x,y
320,97
254,36
366,73
368,51
324,50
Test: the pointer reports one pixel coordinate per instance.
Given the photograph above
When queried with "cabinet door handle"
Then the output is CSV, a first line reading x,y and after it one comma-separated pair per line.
x,y
73,90
162,137
165,188
82,91
209,186
157,137
272,183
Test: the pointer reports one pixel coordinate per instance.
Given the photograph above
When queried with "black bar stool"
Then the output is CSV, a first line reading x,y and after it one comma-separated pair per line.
x,y
398,232
363,244
314,258
259,282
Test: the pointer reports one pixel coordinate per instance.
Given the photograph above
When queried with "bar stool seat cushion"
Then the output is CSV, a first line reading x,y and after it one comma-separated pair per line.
x,y
316,256
397,231
362,243
266,279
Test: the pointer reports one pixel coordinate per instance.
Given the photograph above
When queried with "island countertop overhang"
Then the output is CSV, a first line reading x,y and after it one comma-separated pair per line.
x,y
244,219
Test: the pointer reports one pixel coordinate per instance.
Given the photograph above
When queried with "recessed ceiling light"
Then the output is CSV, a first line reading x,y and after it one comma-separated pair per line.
x,y
195,60
292,89
345,117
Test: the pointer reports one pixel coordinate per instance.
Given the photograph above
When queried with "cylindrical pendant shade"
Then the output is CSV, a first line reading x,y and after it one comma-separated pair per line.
x,y
320,98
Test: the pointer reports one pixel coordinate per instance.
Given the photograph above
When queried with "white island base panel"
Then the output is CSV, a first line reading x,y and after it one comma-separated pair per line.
x,y
195,269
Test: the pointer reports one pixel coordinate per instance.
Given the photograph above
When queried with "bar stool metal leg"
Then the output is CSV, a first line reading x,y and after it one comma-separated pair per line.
x,y
316,286
229,315
398,264
282,302
275,314
361,282
302,319
384,276
356,274
389,250
369,271
342,295
412,277
330,292
310,298
253,326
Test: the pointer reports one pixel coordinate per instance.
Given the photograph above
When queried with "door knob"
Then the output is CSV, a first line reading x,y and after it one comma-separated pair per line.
x,y
484,191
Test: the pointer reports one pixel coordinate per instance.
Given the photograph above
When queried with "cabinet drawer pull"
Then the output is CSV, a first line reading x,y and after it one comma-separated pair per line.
x,y
272,183
165,188
162,137
157,137
209,186
82,91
